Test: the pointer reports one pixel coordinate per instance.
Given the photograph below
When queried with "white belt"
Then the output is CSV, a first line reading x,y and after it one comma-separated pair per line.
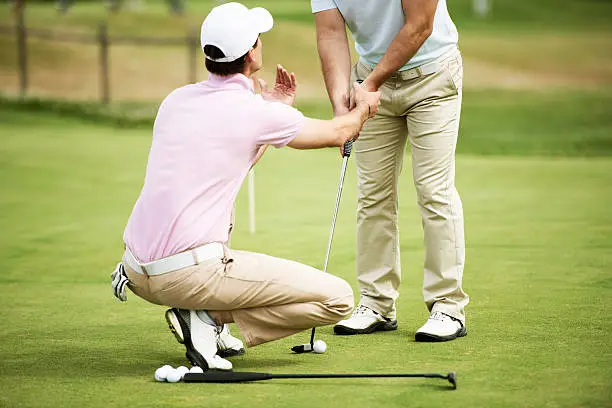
x,y
175,262
421,70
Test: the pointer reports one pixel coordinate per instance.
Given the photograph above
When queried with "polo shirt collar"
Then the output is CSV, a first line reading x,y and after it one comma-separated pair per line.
x,y
236,81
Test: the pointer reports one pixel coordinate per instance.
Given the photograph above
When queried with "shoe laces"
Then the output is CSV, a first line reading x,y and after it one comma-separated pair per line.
x,y
439,316
362,310
443,317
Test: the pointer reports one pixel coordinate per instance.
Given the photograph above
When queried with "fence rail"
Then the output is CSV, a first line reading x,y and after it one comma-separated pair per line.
x,y
103,41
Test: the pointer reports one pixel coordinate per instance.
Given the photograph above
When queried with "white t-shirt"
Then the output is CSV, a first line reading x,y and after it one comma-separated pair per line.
x,y
374,24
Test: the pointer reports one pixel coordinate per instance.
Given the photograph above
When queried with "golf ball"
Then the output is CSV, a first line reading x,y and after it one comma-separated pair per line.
x,y
162,372
319,346
183,370
196,369
174,376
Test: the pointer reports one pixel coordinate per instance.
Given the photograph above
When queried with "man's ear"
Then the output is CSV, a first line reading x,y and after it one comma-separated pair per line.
x,y
250,57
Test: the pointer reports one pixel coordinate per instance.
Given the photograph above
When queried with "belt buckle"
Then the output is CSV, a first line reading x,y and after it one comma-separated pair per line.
x,y
428,69
143,269
194,256
411,74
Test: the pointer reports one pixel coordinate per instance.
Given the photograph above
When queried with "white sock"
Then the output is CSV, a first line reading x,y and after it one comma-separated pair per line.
x,y
205,317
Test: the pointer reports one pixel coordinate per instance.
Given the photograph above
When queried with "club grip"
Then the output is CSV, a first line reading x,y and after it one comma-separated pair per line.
x,y
225,376
348,146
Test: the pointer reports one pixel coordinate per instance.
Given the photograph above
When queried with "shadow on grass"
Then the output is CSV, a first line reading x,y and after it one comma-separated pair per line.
x,y
128,358
244,363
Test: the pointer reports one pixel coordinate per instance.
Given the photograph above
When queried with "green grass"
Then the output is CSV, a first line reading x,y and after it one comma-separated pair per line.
x,y
494,122
506,14
538,221
521,45
539,256
537,123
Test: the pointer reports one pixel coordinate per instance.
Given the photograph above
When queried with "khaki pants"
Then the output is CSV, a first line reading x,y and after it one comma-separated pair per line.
x,y
267,297
424,110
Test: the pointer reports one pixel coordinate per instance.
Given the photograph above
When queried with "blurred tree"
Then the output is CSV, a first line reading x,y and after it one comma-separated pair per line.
x,y
176,7
114,5
63,5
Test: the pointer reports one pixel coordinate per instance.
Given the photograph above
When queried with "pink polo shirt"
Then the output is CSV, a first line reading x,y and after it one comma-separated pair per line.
x,y
205,139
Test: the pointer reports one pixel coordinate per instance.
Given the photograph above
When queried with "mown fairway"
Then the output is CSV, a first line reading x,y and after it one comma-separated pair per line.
x,y
539,258
534,170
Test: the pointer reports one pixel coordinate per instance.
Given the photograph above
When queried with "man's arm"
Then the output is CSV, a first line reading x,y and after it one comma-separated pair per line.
x,y
260,152
316,134
335,57
419,18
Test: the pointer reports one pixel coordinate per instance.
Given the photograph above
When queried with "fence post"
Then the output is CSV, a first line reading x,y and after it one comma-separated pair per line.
x,y
104,80
22,49
192,59
482,7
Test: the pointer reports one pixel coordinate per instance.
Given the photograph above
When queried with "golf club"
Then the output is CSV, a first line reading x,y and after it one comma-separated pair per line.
x,y
235,376
348,146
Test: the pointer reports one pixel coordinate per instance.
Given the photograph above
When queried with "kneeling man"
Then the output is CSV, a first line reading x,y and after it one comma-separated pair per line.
x,y
206,137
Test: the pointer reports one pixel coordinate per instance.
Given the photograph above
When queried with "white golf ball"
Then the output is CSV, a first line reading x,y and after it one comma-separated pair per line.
x,y
183,370
196,369
174,376
162,372
319,346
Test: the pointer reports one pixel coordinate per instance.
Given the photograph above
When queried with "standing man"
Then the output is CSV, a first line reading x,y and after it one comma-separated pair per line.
x,y
206,137
407,50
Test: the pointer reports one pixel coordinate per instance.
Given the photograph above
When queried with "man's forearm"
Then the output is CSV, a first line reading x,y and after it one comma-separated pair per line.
x,y
336,66
402,49
348,126
260,152
417,28
316,133
335,56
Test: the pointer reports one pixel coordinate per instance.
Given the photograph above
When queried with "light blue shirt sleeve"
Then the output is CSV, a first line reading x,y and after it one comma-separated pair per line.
x,y
320,5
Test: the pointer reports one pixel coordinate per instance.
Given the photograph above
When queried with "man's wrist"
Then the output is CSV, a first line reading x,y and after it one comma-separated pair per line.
x,y
370,84
364,110
340,104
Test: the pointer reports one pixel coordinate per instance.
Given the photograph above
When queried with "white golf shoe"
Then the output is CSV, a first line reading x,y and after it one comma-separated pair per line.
x,y
364,321
228,345
200,339
440,327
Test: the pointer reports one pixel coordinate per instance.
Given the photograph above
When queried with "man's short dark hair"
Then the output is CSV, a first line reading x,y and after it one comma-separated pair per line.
x,y
223,68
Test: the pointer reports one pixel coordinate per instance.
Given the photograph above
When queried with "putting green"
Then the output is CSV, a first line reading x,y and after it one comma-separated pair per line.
x,y
539,256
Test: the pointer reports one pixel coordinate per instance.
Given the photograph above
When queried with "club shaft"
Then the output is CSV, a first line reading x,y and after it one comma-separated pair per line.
x,y
235,377
421,375
333,225
348,147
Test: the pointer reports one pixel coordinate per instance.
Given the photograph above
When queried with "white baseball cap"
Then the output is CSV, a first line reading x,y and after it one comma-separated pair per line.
x,y
233,28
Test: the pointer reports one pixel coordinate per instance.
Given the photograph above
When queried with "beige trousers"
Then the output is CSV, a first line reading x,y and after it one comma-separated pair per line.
x,y
424,110
267,297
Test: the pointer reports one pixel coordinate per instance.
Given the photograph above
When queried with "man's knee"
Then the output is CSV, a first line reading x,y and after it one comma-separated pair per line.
x,y
433,200
342,303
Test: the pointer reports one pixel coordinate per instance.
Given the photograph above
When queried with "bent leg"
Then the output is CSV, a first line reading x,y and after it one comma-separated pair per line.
x,y
267,297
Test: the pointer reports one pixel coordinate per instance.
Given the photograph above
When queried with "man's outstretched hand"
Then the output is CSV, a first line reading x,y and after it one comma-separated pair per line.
x,y
284,89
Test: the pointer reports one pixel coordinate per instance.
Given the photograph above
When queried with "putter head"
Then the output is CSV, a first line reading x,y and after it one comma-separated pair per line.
x,y
302,348
452,378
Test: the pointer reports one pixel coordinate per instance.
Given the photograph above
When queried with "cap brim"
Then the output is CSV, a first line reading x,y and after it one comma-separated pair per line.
x,y
261,19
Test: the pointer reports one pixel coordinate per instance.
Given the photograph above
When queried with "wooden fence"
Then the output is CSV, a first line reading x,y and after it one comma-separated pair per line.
x,y
103,41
